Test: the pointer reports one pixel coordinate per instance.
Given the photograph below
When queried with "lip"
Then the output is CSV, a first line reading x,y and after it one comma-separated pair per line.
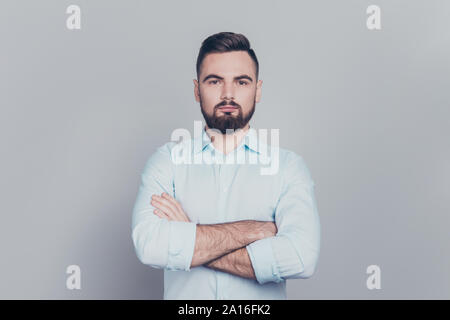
x,y
227,108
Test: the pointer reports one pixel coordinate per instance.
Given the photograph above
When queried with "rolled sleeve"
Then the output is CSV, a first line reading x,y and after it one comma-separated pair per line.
x,y
158,242
263,261
181,245
294,251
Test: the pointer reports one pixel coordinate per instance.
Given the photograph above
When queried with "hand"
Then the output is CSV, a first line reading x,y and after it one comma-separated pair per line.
x,y
257,230
168,208
267,229
272,228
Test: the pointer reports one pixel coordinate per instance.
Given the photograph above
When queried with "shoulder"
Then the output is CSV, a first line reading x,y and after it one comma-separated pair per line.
x,y
295,167
161,157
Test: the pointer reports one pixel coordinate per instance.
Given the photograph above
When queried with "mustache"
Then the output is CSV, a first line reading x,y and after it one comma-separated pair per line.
x,y
231,103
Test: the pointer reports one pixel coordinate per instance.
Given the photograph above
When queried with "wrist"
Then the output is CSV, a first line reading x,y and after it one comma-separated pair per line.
x,y
249,231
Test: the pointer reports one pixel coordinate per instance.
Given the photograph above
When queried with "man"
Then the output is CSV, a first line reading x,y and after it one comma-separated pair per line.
x,y
223,230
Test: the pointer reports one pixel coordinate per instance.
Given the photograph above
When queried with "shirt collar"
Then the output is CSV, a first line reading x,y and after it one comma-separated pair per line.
x,y
250,141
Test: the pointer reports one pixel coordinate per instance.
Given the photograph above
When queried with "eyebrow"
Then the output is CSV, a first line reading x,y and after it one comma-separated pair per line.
x,y
242,76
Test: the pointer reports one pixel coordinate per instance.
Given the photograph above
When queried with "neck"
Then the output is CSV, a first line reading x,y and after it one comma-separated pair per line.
x,y
226,143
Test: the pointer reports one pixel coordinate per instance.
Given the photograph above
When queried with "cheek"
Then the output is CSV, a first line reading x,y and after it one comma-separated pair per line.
x,y
210,97
246,97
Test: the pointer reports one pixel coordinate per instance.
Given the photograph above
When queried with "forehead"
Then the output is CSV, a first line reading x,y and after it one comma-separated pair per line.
x,y
228,64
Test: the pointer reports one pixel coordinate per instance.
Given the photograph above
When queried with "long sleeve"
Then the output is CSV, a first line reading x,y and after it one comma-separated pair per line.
x,y
294,251
158,242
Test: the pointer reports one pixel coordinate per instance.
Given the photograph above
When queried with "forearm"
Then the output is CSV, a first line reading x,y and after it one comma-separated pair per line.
x,y
215,240
237,262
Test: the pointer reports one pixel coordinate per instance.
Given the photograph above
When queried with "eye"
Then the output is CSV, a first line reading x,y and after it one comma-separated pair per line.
x,y
244,83
213,81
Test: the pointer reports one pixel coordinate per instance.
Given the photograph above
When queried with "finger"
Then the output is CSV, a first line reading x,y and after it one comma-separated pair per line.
x,y
165,198
181,215
172,215
167,210
172,200
163,205
166,203
160,214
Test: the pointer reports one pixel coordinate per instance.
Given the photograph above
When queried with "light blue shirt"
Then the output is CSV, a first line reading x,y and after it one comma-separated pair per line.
x,y
214,192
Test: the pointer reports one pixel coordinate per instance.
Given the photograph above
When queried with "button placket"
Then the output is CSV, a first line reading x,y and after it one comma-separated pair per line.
x,y
226,170
223,178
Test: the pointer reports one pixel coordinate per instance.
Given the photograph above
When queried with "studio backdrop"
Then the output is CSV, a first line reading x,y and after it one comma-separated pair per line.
x,y
90,89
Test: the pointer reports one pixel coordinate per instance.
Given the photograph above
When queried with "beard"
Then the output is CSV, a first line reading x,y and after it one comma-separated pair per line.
x,y
227,120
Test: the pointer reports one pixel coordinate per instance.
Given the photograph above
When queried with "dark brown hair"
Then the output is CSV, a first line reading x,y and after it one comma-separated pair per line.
x,y
225,42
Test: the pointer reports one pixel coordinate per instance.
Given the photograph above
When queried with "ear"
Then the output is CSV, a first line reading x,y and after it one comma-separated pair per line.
x,y
258,91
196,91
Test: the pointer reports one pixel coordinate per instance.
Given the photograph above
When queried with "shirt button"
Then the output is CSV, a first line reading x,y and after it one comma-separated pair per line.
x,y
274,272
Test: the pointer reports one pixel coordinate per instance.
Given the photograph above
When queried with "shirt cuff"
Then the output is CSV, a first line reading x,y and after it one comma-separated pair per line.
x,y
181,245
263,261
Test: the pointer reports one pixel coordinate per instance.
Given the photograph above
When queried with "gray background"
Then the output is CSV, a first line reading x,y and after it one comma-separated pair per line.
x,y
82,110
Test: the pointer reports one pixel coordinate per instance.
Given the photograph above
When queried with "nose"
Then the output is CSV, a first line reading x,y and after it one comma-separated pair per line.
x,y
227,91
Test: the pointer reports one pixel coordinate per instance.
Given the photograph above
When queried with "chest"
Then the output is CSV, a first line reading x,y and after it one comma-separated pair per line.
x,y
221,193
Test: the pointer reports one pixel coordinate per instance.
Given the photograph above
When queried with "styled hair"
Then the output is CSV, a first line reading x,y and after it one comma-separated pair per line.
x,y
225,42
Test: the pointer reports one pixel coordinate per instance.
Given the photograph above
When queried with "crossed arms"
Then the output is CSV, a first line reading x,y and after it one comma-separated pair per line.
x,y
267,251
218,246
